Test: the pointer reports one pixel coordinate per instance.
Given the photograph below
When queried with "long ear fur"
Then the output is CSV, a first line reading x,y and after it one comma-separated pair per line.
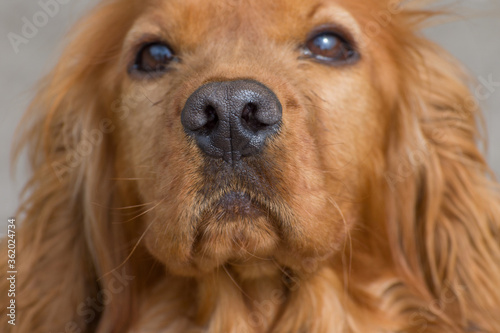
x,y
70,246
443,204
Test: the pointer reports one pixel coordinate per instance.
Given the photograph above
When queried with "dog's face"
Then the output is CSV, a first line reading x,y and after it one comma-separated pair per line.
x,y
292,158
251,127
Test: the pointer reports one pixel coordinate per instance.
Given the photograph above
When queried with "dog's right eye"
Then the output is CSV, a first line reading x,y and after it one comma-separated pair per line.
x,y
153,58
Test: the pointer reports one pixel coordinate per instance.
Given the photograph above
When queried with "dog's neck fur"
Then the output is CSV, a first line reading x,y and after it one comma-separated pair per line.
x,y
235,300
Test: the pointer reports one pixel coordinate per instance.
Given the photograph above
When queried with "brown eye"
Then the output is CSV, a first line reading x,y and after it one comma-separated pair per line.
x,y
153,57
330,47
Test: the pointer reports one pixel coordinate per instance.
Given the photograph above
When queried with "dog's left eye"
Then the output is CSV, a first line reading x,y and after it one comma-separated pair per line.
x,y
330,47
153,57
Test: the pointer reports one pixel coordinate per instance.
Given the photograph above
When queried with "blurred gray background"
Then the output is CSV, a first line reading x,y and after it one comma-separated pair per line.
x,y
474,40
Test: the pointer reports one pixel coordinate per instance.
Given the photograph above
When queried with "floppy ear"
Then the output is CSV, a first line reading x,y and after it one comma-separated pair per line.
x,y
444,205
68,238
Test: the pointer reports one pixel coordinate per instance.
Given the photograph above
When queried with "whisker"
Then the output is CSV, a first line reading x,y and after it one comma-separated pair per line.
x,y
131,252
131,179
347,273
124,207
141,214
156,103
236,284
248,252
134,206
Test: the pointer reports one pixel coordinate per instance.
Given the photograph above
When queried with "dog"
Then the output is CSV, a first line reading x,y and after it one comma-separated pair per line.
x,y
256,166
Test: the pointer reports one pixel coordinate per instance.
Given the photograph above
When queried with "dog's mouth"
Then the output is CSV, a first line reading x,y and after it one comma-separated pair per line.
x,y
235,205
239,204
236,216
238,192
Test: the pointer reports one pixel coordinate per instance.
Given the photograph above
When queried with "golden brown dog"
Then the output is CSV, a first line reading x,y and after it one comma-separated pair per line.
x,y
256,166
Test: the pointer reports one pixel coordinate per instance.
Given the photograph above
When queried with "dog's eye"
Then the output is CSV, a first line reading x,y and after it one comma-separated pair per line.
x,y
330,47
153,57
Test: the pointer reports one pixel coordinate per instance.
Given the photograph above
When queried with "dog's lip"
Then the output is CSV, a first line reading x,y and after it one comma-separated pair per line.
x,y
239,203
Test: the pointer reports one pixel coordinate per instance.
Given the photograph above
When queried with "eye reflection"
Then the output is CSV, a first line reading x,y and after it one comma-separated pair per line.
x,y
330,47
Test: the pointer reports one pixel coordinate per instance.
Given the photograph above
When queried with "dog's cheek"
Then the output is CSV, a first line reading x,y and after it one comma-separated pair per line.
x,y
173,228
170,227
155,153
326,153
311,226
351,121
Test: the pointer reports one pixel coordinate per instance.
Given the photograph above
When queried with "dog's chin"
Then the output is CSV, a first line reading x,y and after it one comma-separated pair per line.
x,y
234,229
244,230
230,227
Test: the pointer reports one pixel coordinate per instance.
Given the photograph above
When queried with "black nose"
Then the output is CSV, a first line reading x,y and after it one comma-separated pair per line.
x,y
232,119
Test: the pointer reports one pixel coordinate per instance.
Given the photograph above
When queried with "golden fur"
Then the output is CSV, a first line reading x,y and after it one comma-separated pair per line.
x,y
385,215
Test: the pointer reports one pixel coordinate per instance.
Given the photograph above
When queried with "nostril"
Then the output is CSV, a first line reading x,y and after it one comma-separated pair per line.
x,y
232,119
249,116
212,118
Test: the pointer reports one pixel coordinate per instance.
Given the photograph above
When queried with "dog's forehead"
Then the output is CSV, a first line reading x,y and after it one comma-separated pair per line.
x,y
241,10
189,22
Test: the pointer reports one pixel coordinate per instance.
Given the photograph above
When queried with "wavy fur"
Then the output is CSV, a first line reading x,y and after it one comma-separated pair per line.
x,y
423,257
